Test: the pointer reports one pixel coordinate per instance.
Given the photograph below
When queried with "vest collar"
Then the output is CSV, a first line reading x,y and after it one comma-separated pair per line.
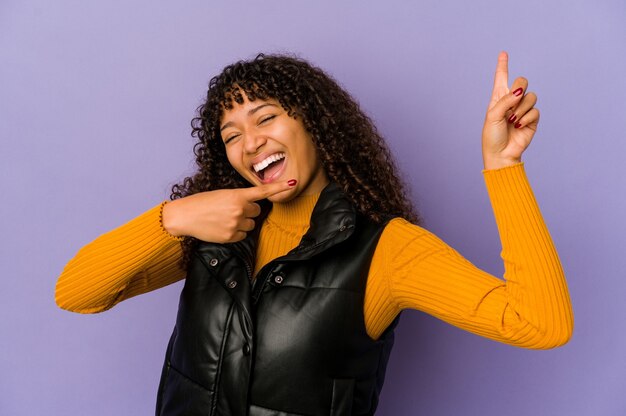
x,y
332,221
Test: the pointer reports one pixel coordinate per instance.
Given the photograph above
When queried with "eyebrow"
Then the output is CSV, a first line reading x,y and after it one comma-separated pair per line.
x,y
250,113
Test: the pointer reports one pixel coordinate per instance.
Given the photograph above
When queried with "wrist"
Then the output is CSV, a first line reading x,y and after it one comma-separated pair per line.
x,y
491,163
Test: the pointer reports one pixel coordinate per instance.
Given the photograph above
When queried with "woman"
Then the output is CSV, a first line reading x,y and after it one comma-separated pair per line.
x,y
300,250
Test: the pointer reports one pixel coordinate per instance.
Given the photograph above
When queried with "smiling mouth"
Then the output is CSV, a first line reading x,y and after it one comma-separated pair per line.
x,y
270,168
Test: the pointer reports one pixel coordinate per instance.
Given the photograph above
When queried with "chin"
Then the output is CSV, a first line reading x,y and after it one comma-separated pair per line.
x,y
283,196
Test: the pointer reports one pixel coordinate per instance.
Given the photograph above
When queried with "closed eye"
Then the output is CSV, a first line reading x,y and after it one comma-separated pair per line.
x,y
228,139
266,119
262,121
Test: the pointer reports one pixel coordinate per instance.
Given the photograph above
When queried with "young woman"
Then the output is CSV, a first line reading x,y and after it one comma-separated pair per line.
x,y
300,250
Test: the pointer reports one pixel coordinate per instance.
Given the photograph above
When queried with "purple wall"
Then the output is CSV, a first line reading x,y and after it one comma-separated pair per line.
x,y
95,105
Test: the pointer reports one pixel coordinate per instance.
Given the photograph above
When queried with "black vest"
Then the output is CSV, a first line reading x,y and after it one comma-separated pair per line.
x,y
292,343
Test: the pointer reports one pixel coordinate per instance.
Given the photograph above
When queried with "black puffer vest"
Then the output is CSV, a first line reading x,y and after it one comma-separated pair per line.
x,y
292,343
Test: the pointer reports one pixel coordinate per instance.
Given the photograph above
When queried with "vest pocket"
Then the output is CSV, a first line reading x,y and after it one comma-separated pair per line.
x,y
183,396
343,391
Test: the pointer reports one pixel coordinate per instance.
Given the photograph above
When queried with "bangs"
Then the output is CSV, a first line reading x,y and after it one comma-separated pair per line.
x,y
235,93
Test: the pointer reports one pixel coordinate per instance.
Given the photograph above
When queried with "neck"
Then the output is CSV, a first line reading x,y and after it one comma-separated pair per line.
x,y
294,212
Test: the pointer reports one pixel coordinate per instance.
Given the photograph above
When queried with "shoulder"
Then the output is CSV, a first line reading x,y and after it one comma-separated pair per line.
x,y
393,230
401,238
401,229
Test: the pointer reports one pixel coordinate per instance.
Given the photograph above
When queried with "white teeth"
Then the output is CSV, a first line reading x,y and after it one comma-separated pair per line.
x,y
265,162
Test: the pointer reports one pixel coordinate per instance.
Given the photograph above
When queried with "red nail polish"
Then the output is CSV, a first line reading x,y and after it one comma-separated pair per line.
x,y
292,182
518,92
518,125
512,118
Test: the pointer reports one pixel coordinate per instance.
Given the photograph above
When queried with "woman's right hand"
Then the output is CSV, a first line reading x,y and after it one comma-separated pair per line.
x,y
220,216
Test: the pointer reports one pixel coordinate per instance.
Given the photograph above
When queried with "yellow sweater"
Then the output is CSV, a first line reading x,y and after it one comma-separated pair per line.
x,y
411,269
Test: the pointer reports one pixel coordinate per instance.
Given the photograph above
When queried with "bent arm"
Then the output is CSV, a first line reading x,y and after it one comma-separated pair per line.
x,y
530,308
132,259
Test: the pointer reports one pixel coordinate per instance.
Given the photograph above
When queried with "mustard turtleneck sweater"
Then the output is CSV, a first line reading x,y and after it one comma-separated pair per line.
x,y
411,268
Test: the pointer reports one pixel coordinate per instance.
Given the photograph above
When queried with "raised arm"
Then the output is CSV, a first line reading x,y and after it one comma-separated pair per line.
x,y
530,308
415,269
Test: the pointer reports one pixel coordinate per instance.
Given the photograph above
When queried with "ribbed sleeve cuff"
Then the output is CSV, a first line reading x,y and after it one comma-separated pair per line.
x,y
499,170
159,212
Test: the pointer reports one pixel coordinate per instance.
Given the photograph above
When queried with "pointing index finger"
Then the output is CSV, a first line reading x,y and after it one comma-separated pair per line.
x,y
501,78
256,193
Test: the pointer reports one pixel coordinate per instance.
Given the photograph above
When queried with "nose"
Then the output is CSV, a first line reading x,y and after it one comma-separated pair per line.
x,y
253,141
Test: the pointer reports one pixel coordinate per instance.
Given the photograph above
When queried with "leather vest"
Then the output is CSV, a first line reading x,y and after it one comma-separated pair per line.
x,y
294,341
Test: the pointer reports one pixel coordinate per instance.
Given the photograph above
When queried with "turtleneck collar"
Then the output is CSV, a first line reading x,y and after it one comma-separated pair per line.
x,y
296,212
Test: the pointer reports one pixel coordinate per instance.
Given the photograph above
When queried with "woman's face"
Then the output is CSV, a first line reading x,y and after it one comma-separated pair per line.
x,y
265,145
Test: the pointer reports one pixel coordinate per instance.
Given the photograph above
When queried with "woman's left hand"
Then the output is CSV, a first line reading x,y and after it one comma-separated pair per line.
x,y
511,120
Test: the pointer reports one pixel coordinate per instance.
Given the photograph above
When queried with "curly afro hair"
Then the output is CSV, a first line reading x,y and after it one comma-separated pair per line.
x,y
352,152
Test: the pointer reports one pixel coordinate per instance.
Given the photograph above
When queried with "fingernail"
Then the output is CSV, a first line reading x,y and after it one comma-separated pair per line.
x,y
512,118
518,125
518,92
292,182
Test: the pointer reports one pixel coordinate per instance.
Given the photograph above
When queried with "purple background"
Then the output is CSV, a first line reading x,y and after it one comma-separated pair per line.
x,y
95,105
